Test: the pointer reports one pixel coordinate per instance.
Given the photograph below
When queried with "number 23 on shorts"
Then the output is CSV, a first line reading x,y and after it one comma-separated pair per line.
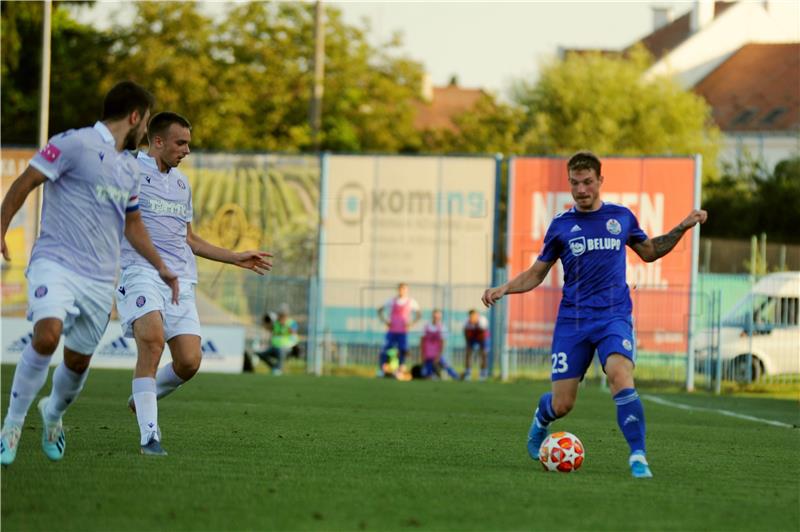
x,y
559,362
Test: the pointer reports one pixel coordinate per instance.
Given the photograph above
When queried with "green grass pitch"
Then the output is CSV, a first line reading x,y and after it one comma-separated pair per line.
x,y
343,453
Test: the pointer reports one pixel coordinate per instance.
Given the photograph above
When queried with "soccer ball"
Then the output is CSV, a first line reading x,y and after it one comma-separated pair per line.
x,y
562,451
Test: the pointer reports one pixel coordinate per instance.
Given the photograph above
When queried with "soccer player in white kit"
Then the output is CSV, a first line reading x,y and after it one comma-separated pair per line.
x,y
91,192
142,300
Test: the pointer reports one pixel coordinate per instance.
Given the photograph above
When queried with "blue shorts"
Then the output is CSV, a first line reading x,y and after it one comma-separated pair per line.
x,y
478,344
575,341
398,340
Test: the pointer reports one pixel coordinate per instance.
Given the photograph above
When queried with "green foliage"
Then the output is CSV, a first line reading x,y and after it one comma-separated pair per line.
x,y
748,199
608,104
489,127
243,81
79,60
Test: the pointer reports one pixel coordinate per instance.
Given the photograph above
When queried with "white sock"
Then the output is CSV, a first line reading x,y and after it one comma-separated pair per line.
x,y
167,381
29,377
67,384
144,395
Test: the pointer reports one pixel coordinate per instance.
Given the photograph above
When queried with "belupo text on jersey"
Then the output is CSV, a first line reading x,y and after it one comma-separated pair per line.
x,y
591,247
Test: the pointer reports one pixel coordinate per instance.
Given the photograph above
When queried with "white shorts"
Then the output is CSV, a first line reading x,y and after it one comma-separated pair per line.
x,y
83,305
141,291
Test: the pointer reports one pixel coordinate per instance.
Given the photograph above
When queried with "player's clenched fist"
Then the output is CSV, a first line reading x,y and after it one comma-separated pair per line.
x,y
697,216
492,295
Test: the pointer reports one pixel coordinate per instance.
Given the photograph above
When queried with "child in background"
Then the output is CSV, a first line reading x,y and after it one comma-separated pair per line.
x,y
432,348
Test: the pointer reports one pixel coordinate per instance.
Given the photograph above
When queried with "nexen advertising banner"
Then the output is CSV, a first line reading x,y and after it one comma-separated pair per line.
x,y
223,347
425,221
660,193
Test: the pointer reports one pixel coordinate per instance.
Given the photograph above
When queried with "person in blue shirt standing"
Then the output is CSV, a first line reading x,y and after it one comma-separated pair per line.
x,y
595,311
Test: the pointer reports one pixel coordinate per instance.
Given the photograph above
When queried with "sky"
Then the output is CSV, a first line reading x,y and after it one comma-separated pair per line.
x,y
484,44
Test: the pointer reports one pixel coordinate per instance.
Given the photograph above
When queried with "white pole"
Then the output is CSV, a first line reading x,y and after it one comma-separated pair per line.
x,y
698,166
44,97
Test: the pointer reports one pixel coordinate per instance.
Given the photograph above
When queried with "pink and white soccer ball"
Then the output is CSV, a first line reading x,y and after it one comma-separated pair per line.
x,y
562,451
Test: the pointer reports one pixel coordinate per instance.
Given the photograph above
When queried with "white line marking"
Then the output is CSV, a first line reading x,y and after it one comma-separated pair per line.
x,y
728,413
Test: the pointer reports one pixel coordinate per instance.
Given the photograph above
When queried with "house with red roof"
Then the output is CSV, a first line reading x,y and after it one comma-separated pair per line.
x,y
744,59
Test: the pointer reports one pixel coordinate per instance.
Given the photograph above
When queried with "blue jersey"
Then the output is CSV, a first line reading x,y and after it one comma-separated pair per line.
x,y
591,246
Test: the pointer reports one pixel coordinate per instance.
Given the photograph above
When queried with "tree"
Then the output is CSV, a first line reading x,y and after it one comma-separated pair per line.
x,y
778,204
748,200
79,59
169,48
489,127
609,105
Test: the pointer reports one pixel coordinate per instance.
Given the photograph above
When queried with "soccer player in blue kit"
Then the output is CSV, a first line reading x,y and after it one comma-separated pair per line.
x,y
595,311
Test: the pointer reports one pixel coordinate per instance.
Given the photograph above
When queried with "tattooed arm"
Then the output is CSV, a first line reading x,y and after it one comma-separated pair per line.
x,y
654,248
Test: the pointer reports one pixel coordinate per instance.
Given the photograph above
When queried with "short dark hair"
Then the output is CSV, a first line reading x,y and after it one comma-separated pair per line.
x,y
584,160
124,98
162,121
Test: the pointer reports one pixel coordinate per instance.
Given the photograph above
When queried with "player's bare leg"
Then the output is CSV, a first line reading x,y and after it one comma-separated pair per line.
x,y
29,377
630,413
552,405
467,375
148,331
186,357
484,357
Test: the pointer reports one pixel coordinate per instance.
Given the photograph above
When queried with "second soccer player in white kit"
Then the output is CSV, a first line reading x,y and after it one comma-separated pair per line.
x,y
143,304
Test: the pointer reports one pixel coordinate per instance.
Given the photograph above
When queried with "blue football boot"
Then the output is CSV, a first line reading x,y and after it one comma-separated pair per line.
x,y
536,437
639,465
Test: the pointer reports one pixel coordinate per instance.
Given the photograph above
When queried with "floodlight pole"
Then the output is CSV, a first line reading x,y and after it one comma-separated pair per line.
x,y
44,96
315,111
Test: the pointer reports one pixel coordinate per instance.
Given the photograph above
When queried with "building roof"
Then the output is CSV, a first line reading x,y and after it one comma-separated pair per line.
x,y
668,37
446,103
756,89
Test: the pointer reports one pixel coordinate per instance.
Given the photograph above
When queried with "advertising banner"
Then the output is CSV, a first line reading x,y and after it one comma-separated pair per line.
x,y
660,193
223,347
425,221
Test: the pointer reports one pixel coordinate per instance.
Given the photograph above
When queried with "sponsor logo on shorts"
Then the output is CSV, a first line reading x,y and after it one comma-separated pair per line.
x,y
140,301
577,246
627,344
121,290
613,227
41,291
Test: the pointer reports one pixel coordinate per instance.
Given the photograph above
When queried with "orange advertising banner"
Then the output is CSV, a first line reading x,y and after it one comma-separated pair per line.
x,y
659,191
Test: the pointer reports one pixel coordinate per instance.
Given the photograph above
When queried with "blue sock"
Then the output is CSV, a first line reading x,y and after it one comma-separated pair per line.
x,y
545,413
630,417
450,371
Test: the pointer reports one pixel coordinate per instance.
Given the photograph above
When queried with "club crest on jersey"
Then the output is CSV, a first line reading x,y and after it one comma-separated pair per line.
x,y
140,301
577,246
41,291
181,184
627,344
613,227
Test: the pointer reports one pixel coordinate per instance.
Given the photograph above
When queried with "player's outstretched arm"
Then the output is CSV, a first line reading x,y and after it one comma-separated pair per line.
x,y
654,248
524,282
137,235
257,261
16,196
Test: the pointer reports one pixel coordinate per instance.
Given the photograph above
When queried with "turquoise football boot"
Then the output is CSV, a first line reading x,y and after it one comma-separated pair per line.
x,y
54,443
639,465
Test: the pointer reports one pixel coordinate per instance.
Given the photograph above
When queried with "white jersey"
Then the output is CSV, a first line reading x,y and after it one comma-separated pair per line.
x,y
165,199
90,188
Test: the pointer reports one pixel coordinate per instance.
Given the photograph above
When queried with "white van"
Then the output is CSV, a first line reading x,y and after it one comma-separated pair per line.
x,y
764,323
